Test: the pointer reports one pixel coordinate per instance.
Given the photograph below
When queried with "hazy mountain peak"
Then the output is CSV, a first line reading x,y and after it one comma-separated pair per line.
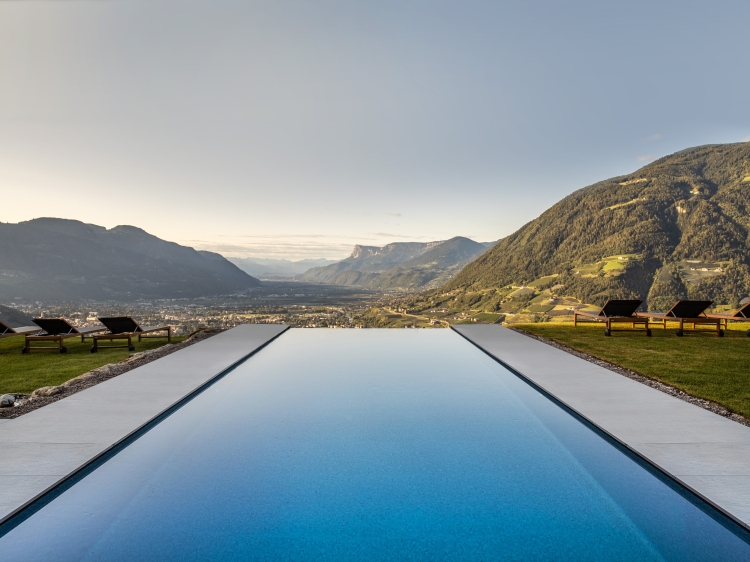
x,y
407,265
364,251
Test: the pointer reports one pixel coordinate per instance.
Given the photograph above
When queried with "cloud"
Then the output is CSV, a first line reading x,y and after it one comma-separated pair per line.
x,y
275,236
746,139
393,214
393,235
654,137
278,248
645,158
293,246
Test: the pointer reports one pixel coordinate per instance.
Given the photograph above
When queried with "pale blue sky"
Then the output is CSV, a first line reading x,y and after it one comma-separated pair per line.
x,y
297,129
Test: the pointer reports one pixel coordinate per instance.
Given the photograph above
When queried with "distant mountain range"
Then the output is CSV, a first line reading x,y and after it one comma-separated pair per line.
x,y
58,259
277,268
399,265
677,228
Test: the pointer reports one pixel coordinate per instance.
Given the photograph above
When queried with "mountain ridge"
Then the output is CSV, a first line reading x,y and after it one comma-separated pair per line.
x,y
398,265
61,259
676,228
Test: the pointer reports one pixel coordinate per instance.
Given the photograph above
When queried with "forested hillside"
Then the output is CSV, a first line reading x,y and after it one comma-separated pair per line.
x,y
676,228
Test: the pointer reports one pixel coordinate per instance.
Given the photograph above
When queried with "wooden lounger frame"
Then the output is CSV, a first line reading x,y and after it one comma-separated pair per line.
x,y
138,330
610,321
699,319
741,315
58,337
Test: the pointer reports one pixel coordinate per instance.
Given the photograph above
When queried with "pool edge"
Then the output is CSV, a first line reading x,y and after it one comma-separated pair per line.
x,y
643,458
7,522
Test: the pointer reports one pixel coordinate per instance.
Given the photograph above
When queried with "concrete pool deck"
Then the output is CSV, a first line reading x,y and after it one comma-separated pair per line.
x,y
705,451
40,448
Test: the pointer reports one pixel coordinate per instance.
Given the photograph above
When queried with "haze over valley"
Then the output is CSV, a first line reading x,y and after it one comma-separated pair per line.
x,y
674,229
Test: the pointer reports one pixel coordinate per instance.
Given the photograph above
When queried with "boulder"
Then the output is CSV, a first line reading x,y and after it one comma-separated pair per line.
x,y
103,370
77,380
47,391
7,400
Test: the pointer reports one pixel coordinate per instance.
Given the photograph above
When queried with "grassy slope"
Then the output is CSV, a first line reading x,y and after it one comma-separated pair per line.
x,y
25,373
700,364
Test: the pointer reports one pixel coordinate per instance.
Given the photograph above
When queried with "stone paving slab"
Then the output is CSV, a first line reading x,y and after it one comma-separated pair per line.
x,y
44,446
708,452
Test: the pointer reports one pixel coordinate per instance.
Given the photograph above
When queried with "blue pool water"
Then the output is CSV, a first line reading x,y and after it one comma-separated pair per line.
x,y
372,445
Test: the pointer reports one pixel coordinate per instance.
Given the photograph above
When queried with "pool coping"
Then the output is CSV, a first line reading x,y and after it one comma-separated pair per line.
x,y
252,345
510,360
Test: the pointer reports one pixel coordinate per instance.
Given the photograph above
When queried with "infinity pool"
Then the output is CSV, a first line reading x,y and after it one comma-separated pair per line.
x,y
372,445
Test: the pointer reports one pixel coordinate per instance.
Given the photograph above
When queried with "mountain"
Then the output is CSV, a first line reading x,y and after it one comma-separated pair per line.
x,y
55,259
399,265
675,228
264,267
14,318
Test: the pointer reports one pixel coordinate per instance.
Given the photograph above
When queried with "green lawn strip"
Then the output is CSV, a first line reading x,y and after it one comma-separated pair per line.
x,y
703,365
488,317
25,373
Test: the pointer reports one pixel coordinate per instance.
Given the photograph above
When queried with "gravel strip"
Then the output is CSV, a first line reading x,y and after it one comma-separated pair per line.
x,y
672,391
49,394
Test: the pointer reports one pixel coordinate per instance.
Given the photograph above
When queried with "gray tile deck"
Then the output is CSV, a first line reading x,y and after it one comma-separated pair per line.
x,y
709,453
44,446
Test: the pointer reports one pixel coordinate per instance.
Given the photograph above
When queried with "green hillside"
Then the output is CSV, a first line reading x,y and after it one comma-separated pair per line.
x,y
676,228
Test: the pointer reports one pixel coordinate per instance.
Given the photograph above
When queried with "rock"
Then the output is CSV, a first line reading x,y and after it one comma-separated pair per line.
x,y
47,391
103,370
134,357
79,379
99,371
7,400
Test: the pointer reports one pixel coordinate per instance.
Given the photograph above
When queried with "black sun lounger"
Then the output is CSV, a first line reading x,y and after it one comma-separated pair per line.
x,y
616,312
124,327
741,315
57,330
8,331
686,312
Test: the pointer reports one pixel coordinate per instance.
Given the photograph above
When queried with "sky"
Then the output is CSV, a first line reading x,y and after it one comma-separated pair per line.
x,y
286,129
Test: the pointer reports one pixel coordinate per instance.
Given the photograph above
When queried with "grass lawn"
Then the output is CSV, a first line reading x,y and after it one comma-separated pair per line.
x,y
702,365
25,373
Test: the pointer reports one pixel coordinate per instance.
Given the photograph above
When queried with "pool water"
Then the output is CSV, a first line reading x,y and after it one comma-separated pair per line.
x,y
373,445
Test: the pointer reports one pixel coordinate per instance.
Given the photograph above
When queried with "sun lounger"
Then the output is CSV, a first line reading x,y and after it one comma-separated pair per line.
x,y
686,312
615,312
8,331
124,327
741,315
57,330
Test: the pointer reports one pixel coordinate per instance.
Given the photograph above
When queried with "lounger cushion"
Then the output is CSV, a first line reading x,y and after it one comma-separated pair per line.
x,y
688,309
55,326
620,307
121,325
